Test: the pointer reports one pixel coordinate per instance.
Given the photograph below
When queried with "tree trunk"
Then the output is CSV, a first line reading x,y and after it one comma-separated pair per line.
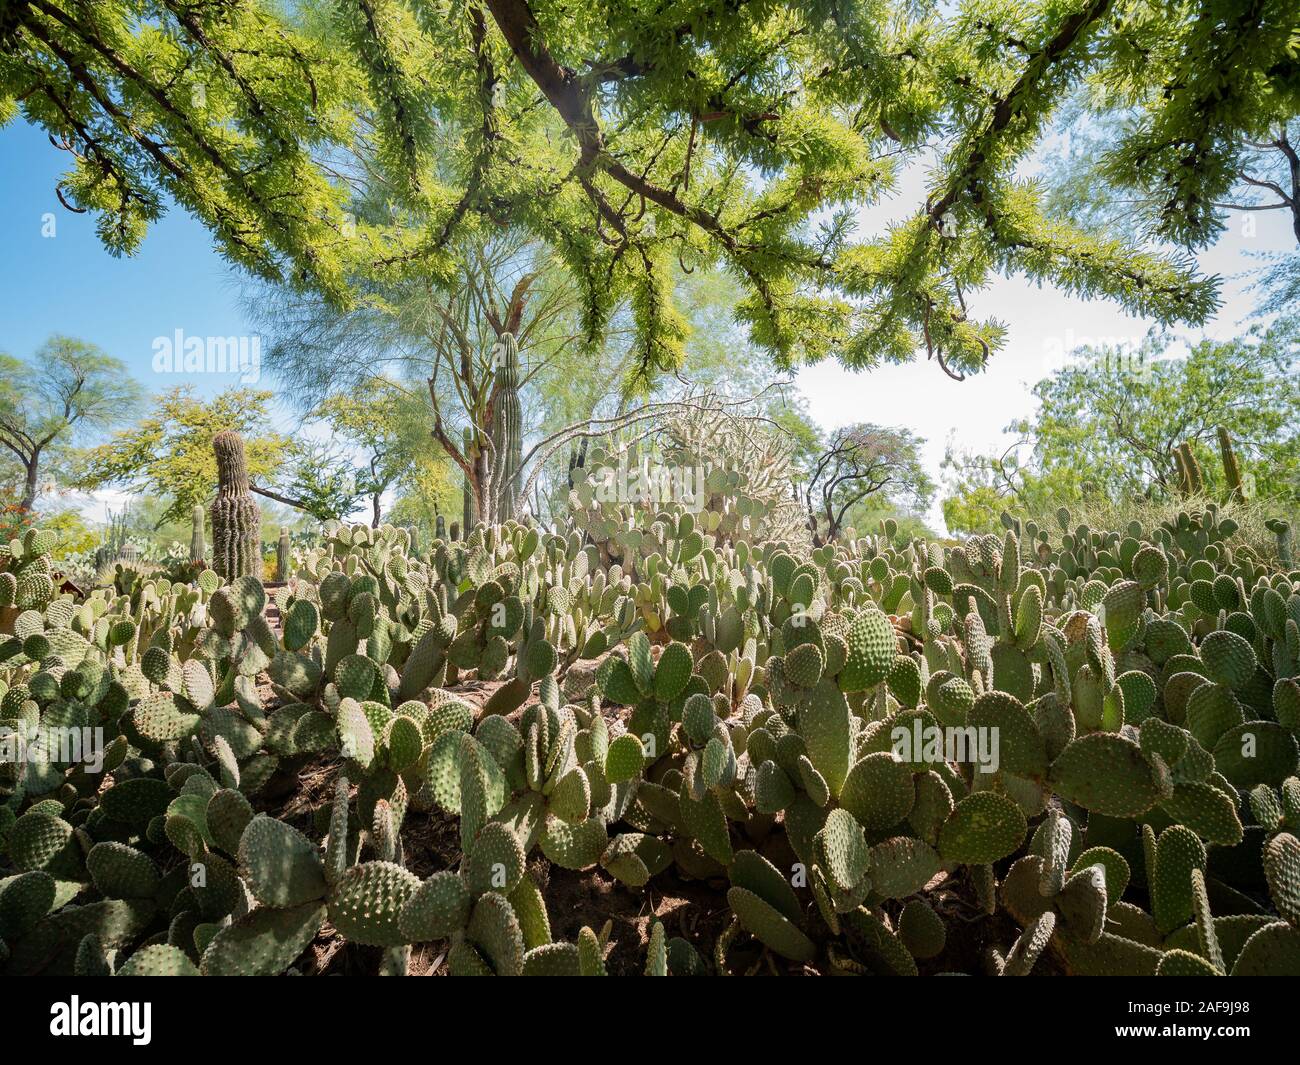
x,y
33,469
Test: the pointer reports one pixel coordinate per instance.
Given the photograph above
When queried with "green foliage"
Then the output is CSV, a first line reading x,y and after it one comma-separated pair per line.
x,y
1109,426
745,137
70,390
169,453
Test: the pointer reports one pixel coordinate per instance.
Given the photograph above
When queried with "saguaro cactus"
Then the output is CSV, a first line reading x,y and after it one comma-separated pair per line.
x,y
198,545
236,517
471,457
507,429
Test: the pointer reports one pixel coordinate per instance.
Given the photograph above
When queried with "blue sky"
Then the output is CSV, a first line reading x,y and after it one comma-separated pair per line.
x,y
68,283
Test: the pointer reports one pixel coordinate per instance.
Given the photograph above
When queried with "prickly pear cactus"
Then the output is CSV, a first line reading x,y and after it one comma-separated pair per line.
x,y
1084,742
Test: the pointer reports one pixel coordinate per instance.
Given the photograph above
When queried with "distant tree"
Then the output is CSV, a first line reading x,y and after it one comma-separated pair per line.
x,y
72,533
867,515
434,346
1109,425
979,487
316,477
1117,419
859,462
168,454
70,390
372,424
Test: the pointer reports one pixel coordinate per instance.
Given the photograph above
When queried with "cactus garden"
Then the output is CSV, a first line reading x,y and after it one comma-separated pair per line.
x,y
671,705
546,613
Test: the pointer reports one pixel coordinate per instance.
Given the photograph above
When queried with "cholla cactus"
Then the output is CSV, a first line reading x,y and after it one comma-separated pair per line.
x,y
748,473
236,517
723,477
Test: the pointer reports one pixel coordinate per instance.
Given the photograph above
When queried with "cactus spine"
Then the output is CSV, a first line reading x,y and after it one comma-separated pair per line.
x,y
507,430
236,517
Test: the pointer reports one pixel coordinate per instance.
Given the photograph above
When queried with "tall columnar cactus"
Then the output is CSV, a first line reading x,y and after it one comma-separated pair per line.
x,y
282,556
198,545
470,451
506,430
1282,530
1195,483
236,517
1180,472
1231,467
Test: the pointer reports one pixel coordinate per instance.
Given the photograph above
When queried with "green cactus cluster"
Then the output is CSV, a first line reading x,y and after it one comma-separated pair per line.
x,y
1090,735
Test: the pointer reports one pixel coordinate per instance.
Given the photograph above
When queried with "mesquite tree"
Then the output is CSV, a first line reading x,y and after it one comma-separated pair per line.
x,y
859,462
630,137
236,517
69,388
438,347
